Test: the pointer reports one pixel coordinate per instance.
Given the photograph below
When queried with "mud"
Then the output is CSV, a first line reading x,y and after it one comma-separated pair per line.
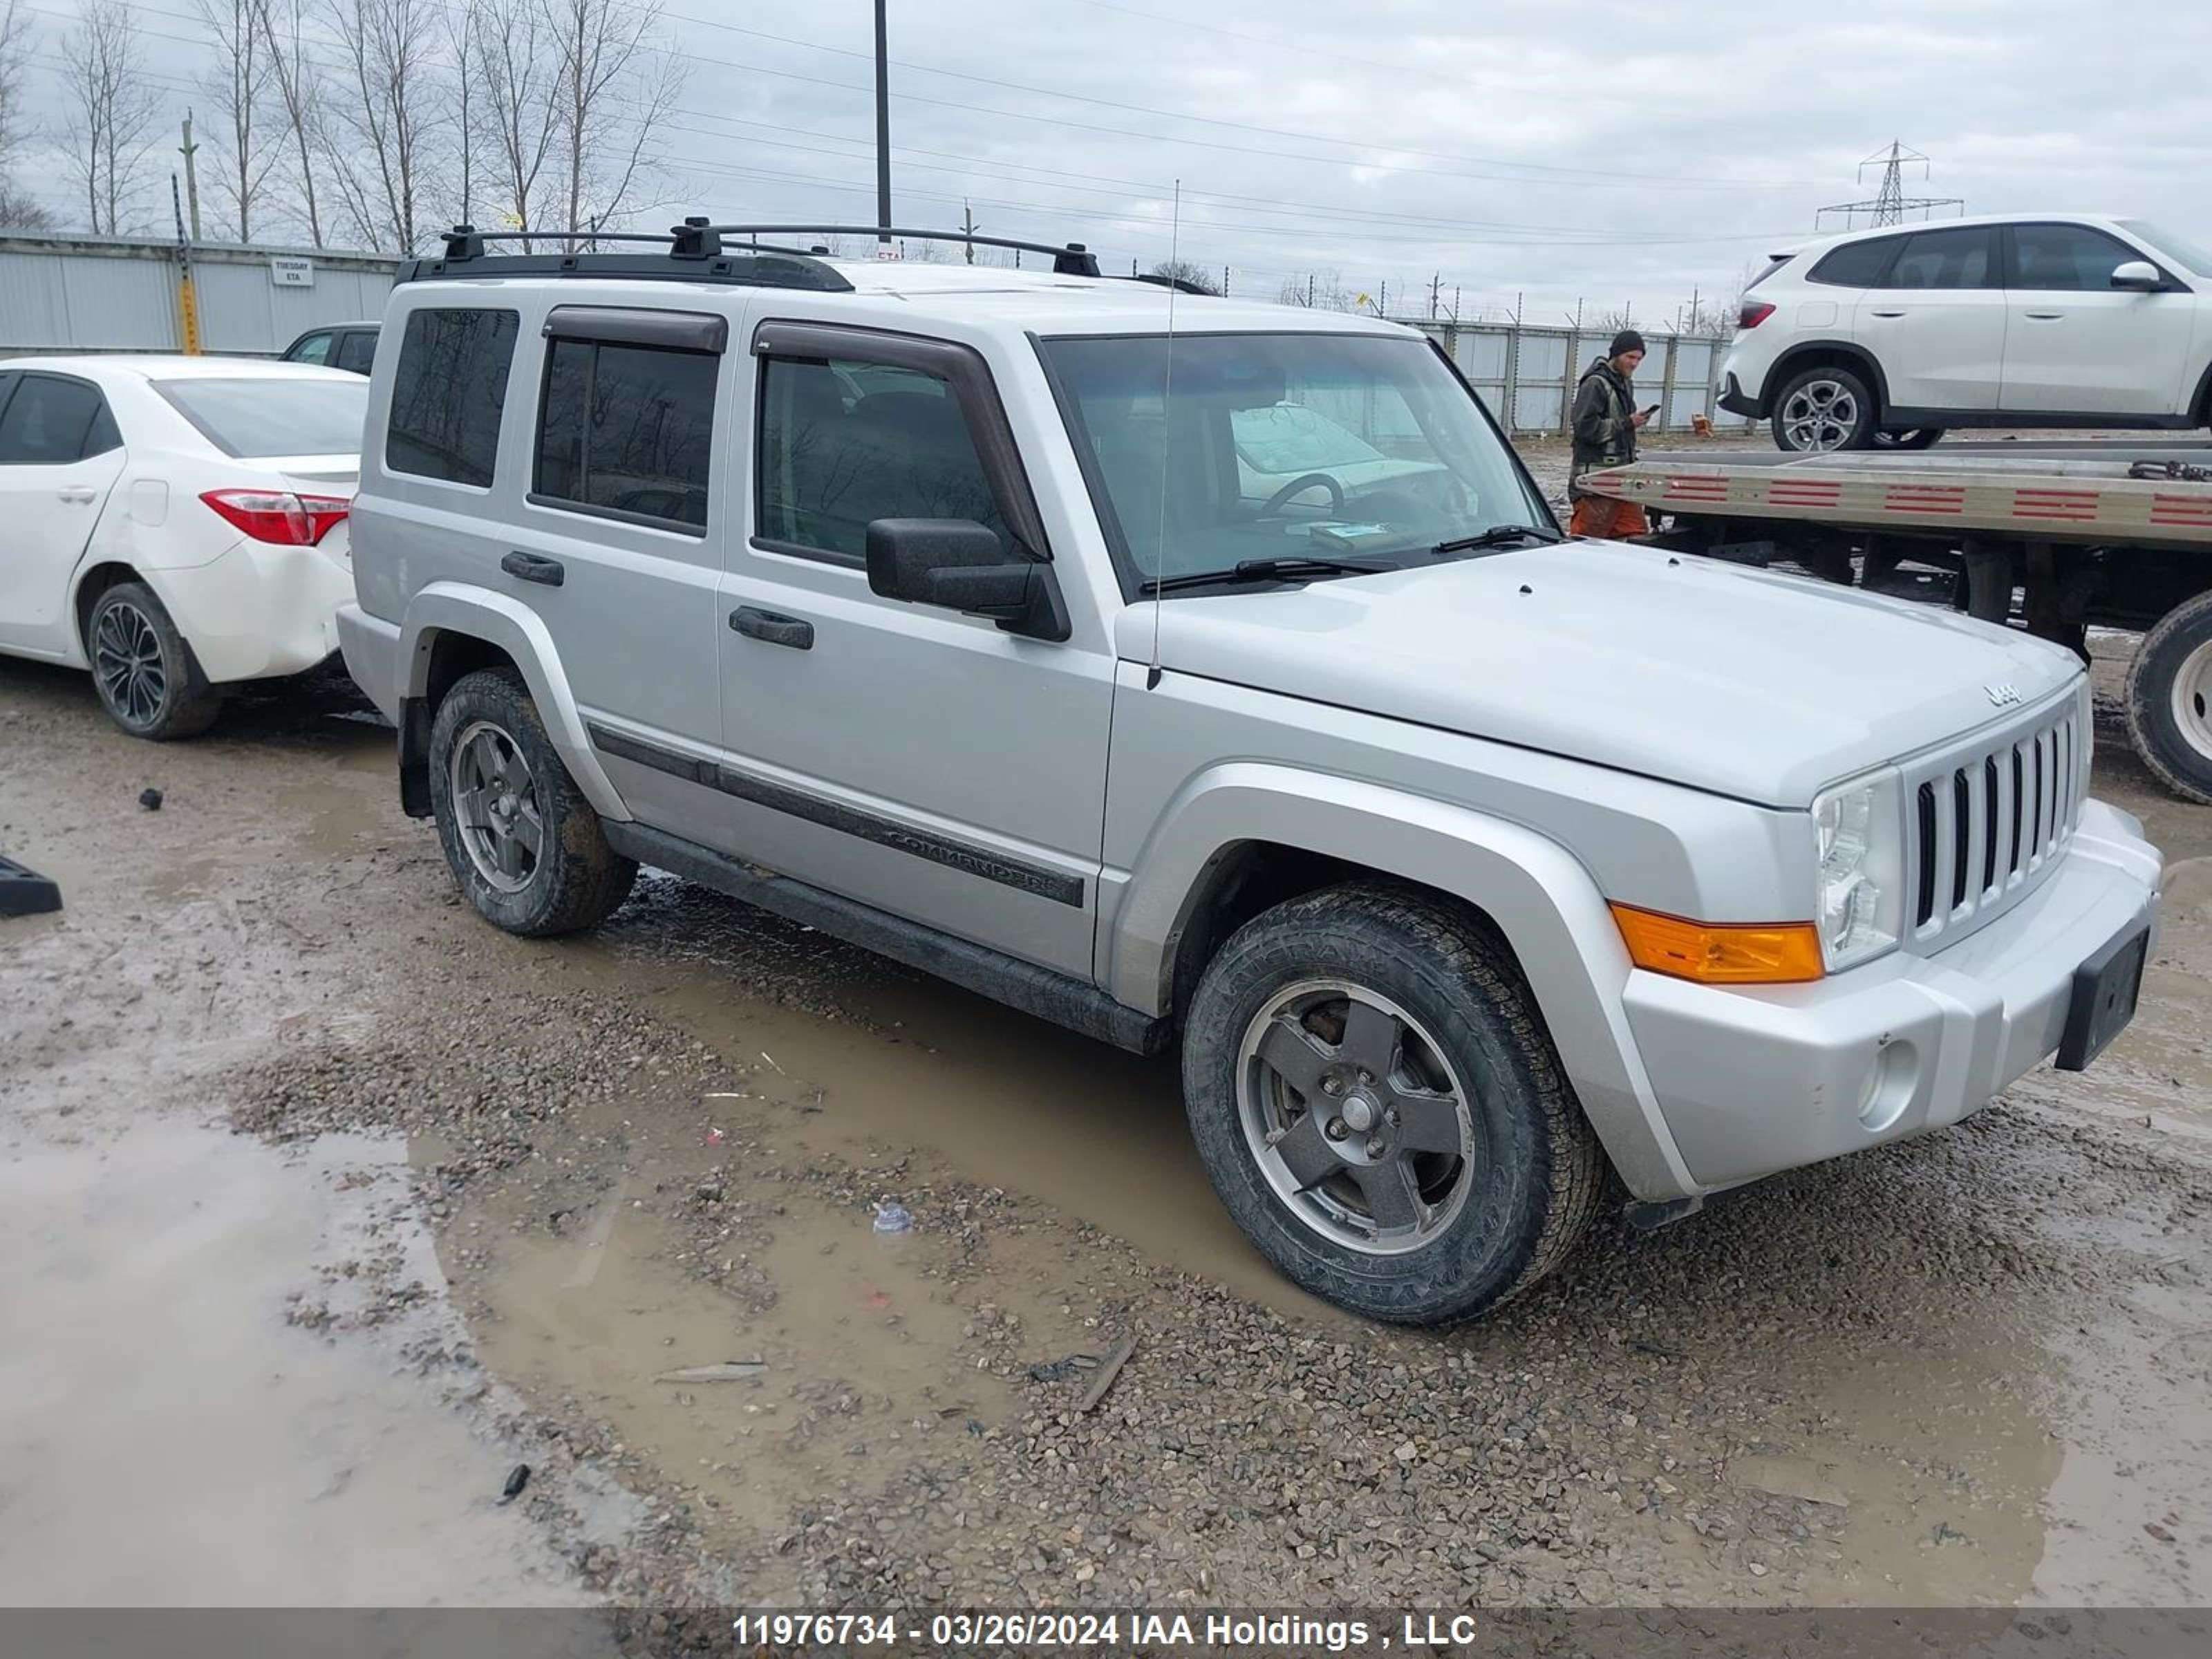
x,y
325,1205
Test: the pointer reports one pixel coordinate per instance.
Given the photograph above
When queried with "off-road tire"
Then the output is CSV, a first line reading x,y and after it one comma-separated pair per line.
x,y
578,880
1863,428
1540,1171
2159,738
188,705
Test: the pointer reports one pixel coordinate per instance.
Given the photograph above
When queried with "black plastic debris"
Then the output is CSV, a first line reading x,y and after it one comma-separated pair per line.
x,y
516,1483
26,892
150,799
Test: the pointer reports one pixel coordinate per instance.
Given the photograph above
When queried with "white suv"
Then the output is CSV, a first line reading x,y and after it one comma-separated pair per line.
x,y
1898,335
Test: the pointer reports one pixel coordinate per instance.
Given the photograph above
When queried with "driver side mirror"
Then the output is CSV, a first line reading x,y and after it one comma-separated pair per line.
x,y
962,566
2139,275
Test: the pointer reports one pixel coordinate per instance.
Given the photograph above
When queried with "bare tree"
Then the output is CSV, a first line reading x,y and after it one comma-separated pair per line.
x,y
110,112
18,211
390,107
239,88
610,60
1183,270
297,79
521,104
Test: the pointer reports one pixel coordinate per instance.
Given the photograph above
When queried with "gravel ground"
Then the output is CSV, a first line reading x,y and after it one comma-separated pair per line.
x,y
1971,1369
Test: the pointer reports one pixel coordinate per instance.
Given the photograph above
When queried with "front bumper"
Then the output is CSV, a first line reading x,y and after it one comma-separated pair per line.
x,y
371,646
1753,1082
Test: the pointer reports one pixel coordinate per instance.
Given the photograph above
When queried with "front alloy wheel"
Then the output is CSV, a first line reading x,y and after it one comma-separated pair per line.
x,y
1356,1118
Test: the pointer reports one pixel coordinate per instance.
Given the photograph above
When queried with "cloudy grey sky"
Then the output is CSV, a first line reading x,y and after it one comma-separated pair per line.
x,y
1605,150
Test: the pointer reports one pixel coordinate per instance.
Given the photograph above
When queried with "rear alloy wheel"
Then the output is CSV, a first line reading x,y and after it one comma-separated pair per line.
x,y
1822,410
146,676
2169,700
522,842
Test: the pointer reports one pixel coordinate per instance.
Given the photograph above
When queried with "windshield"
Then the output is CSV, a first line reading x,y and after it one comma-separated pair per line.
x,y
271,416
1282,446
2198,261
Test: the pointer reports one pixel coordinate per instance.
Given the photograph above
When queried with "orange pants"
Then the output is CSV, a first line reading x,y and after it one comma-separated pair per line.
x,y
1608,520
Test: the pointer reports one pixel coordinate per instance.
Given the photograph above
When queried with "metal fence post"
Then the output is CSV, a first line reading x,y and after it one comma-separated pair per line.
x,y
1512,393
1667,384
1567,386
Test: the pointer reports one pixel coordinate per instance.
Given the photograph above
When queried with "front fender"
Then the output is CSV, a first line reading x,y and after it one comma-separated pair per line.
x,y
515,627
1536,892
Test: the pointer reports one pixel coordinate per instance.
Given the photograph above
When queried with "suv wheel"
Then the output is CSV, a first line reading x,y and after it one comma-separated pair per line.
x,y
2169,700
522,842
1823,409
146,676
1381,1109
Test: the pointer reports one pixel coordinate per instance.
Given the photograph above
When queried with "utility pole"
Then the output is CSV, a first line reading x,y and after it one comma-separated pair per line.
x,y
191,177
188,304
1436,288
884,131
1889,204
967,227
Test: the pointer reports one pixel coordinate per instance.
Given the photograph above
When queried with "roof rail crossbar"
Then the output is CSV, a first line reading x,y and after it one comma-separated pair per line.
x,y
467,242
1068,259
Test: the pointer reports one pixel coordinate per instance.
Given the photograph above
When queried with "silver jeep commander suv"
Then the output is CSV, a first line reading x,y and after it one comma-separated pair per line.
x,y
1209,674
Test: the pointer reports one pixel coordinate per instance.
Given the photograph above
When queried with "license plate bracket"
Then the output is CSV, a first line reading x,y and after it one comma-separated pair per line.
x,y
2105,989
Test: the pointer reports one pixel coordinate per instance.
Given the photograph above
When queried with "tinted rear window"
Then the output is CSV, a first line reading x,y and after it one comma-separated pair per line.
x,y
248,419
628,428
448,392
1946,258
1854,264
51,421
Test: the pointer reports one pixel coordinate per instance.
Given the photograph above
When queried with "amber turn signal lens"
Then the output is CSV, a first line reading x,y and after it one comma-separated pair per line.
x,y
1731,953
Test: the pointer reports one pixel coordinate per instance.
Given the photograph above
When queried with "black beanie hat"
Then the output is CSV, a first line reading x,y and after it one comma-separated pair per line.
x,y
1627,340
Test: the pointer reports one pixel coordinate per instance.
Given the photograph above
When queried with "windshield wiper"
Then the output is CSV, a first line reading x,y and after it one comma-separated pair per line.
x,y
1301,568
1499,535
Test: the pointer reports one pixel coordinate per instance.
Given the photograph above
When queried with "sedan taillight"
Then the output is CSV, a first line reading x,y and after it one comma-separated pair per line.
x,y
1754,312
279,516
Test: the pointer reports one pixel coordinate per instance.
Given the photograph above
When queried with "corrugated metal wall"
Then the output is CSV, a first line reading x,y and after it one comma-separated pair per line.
x,y
101,293
1527,375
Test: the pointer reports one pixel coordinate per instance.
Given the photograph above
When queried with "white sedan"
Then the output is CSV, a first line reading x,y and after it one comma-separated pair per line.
x,y
175,525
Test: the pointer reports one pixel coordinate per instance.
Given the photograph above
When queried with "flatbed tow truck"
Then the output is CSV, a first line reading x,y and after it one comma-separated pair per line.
x,y
2055,538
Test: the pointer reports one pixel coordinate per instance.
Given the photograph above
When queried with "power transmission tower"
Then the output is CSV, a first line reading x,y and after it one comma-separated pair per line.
x,y
1889,204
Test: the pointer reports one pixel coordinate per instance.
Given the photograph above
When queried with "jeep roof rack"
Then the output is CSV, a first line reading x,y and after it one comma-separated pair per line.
x,y
1068,259
691,252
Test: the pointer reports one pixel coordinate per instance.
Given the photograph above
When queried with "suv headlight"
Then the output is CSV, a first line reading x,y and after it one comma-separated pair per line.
x,y
1859,843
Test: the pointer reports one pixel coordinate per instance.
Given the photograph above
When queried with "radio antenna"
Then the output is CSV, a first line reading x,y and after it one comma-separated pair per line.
x,y
1167,437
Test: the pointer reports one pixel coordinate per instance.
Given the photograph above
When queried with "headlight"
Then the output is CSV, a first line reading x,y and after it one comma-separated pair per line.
x,y
1859,842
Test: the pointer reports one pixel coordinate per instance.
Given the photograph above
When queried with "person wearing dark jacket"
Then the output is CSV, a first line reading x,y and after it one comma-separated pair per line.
x,y
1606,422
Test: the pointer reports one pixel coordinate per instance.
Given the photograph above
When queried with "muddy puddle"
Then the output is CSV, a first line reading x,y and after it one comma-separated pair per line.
x,y
170,1440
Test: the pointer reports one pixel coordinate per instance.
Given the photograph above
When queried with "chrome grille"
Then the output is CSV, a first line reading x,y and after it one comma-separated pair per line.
x,y
1986,823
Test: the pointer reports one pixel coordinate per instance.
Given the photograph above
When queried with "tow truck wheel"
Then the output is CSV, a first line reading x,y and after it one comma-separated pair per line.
x,y
2169,699
1823,410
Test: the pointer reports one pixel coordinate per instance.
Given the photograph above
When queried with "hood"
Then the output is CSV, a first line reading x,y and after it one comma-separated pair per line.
x,y
1763,687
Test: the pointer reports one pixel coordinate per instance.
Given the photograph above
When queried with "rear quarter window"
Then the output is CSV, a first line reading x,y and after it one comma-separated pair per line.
x,y
449,393
1855,265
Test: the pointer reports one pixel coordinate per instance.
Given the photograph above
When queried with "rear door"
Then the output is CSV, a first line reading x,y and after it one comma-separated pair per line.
x,y
620,498
357,350
2076,343
60,454
1936,320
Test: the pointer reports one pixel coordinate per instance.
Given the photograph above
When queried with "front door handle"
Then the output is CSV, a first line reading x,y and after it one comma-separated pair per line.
x,y
534,568
1889,313
77,494
771,629
2047,316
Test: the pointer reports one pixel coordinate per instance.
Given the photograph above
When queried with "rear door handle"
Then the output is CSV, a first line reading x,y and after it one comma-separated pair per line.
x,y
2047,316
534,568
772,629
1889,313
